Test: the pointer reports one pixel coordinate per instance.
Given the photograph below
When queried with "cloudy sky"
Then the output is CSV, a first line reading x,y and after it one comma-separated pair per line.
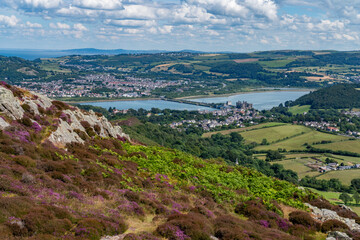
x,y
208,25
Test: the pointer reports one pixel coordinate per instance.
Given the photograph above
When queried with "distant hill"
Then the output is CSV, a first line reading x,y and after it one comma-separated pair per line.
x,y
338,96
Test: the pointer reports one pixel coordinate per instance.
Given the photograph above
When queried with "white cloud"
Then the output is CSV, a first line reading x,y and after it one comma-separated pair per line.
x,y
99,4
11,21
80,27
194,14
59,25
33,25
132,23
267,8
32,4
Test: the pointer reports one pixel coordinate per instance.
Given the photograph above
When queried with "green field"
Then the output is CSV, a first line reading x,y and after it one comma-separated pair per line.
x,y
299,109
298,142
344,176
263,125
333,197
350,146
299,166
273,134
276,63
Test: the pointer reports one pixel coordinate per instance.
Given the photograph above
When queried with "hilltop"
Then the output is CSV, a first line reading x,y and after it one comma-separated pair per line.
x,y
70,174
339,96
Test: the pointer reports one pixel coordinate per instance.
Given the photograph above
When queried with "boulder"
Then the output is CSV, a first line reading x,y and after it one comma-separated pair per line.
x,y
338,236
10,105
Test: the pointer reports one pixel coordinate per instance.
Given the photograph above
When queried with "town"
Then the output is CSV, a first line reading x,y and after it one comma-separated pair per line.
x,y
100,86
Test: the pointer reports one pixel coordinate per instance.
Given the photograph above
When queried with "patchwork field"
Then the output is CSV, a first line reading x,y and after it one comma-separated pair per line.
x,y
344,176
273,134
299,166
350,146
299,109
264,125
298,142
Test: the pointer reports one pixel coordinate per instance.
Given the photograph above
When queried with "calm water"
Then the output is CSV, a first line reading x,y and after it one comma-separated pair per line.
x,y
147,104
261,100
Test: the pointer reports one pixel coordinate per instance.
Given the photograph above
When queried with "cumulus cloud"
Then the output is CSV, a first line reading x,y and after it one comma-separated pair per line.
x,y
32,4
9,21
132,23
33,25
59,25
99,4
80,27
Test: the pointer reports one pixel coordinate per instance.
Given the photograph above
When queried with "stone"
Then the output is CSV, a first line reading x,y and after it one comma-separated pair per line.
x,y
326,214
3,124
338,236
10,105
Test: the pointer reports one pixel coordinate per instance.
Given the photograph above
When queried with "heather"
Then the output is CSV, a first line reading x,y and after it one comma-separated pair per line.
x,y
111,186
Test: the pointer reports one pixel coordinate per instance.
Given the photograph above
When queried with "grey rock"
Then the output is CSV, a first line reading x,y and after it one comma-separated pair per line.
x,y
9,104
3,124
338,236
64,134
325,214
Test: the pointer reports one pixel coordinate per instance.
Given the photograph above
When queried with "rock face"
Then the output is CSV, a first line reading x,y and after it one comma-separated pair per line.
x,y
68,127
326,214
338,236
9,104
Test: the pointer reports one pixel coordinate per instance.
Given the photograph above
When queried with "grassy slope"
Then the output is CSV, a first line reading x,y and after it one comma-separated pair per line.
x,y
274,134
299,109
263,125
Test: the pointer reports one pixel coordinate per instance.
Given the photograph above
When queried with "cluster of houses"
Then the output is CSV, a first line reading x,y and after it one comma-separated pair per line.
x,y
331,167
224,117
99,86
321,125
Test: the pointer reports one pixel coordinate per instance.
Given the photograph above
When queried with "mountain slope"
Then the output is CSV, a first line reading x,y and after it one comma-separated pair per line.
x,y
85,184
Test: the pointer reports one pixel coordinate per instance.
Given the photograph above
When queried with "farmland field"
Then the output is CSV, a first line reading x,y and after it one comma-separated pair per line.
x,y
225,132
298,143
299,166
351,146
274,133
299,109
344,176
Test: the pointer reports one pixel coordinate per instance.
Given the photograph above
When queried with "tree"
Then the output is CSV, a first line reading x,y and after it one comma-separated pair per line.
x,y
355,183
356,197
345,197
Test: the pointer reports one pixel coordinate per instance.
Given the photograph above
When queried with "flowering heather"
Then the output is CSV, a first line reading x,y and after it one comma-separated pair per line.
x,y
36,127
264,223
22,135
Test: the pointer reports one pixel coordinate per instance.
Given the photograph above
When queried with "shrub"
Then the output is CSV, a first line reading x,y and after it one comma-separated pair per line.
x,y
26,107
60,105
333,225
193,225
36,219
303,218
26,121
132,196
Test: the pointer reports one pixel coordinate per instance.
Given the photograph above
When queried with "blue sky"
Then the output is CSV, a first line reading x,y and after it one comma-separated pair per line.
x,y
207,25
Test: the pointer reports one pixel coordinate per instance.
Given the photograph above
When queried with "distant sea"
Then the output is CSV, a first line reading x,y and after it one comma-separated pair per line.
x,y
32,54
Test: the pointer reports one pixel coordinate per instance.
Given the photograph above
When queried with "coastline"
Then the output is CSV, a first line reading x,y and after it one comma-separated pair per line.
x,y
194,96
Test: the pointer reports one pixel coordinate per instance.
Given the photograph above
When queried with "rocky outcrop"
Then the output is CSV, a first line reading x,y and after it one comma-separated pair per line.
x,y
338,236
68,131
68,127
9,104
326,214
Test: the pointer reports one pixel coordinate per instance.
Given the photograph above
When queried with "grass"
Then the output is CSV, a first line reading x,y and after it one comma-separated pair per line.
x,y
350,146
333,197
345,176
299,109
299,166
276,63
297,143
273,134
263,125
